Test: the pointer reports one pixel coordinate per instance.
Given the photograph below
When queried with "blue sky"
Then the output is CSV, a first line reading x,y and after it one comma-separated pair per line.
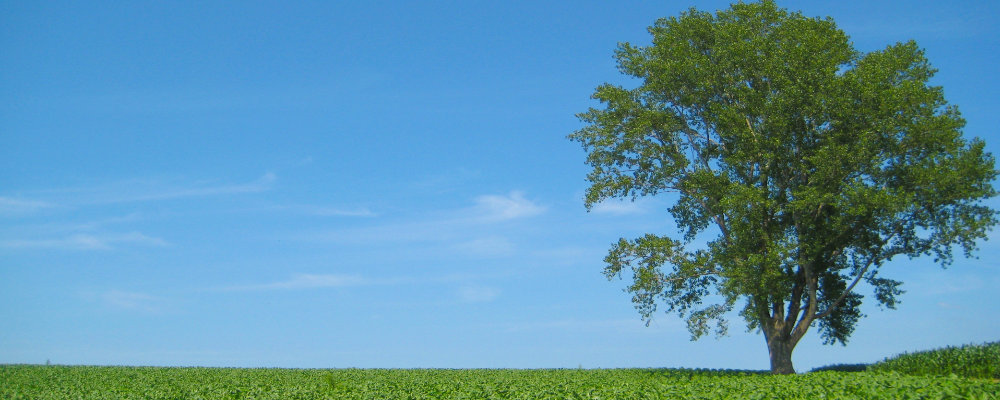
x,y
378,184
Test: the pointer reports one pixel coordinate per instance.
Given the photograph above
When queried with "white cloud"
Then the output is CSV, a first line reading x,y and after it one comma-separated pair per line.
x,y
86,242
618,208
617,325
140,190
66,235
405,232
127,299
130,301
263,183
137,238
478,294
97,223
569,255
306,281
321,211
447,181
934,282
15,207
319,281
501,208
486,247
451,228
340,212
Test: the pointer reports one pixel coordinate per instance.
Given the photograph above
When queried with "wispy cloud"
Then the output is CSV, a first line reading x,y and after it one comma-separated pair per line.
x,y
323,211
155,192
447,181
450,228
85,242
617,325
506,207
305,281
569,255
128,301
478,294
394,233
618,208
60,228
63,233
305,161
138,190
98,223
466,290
493,246
11,207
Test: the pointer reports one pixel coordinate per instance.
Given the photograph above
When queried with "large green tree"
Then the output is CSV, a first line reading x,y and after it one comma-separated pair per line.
x,y
800,164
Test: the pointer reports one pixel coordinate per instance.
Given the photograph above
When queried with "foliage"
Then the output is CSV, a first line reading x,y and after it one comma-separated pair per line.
x,y
59,382
810,163
969,361
841,368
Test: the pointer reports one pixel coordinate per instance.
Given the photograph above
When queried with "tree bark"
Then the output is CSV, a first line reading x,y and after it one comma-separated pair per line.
x,y
780,351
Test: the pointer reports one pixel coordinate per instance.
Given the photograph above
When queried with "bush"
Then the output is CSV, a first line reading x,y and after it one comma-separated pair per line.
x,y
970,361
842,368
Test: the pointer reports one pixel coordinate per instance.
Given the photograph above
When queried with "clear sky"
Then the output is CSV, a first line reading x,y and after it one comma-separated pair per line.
x,y
378,184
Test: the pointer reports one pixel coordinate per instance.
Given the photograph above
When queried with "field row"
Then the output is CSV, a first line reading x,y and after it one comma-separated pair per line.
x,y
61,382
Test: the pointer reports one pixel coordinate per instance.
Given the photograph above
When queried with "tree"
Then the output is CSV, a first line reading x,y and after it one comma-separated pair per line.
x,y
804,164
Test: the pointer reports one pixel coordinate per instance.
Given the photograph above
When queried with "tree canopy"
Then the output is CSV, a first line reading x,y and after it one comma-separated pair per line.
x,y
800,166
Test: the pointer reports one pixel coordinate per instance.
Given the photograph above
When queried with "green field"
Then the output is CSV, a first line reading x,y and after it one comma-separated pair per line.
x,y
80,382
965,372
971,361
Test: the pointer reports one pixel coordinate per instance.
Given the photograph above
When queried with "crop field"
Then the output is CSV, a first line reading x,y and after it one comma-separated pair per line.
x,y
972,361
82,382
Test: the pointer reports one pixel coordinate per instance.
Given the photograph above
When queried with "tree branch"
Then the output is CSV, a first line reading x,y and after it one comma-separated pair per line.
x,y
719,219
795,304
861,273
681,278
808,316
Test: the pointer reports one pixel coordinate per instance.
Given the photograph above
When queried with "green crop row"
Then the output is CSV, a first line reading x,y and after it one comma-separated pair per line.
x,y
970,361
61,382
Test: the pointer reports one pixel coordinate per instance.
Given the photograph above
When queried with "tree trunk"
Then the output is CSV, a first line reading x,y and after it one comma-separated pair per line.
x,y
781,355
